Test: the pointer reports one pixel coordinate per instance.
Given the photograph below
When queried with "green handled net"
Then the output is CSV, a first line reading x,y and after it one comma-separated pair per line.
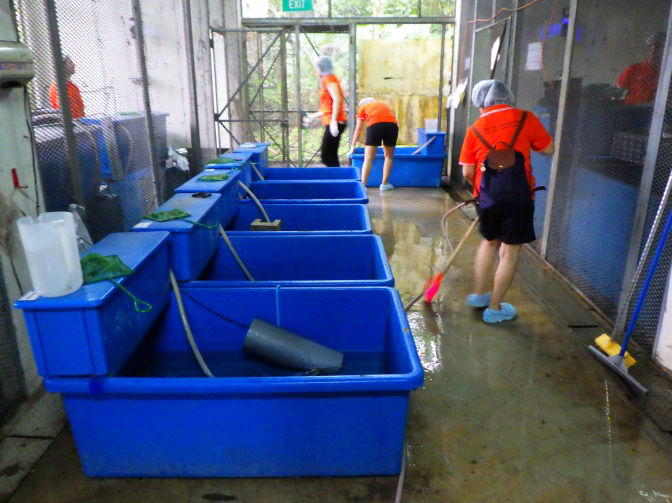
x,y
97,268
214,178
175,214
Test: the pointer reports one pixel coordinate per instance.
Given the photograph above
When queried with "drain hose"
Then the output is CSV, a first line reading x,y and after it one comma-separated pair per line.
x,y
187,328
235,254
256,170
256,201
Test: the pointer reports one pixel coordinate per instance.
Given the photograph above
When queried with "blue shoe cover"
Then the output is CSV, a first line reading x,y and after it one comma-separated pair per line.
x,y
504,313
478,301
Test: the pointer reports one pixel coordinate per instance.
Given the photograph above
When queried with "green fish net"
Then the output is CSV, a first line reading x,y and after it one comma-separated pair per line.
x,y
97,268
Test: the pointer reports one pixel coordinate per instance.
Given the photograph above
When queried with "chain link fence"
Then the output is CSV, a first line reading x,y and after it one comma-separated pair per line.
x,y
97,150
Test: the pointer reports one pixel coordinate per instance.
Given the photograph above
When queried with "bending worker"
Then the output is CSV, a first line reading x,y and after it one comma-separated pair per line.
x,y
331,111
381,127
504,189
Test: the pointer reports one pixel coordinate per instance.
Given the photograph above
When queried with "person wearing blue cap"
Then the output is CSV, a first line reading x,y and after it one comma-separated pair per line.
x,y
332,111
495,158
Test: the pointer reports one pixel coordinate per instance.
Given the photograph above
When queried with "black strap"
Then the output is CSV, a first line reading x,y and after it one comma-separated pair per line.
x,y
520,127
513,140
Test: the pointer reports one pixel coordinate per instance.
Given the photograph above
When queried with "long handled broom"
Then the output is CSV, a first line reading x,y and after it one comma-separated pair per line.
x,y
612,354
432,284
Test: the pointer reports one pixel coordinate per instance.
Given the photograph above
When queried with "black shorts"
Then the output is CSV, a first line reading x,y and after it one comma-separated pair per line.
x,y
385,132
512,224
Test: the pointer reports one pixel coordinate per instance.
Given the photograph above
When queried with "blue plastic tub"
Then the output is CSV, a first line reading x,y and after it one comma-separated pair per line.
x,y
227,189
159,417
242,163
137,195
94,330
259,155
345,173
407,170
311,192
300,261
192,243
304,219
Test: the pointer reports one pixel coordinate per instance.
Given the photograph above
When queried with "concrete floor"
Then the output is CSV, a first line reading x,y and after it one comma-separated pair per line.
x,y
519,412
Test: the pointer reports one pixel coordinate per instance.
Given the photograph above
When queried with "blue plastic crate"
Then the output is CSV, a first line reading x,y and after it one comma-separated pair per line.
x,y
300,261
191,244
311,192
92,331
160,417
304,219
227,189
242,163
420,170
344,173
259,155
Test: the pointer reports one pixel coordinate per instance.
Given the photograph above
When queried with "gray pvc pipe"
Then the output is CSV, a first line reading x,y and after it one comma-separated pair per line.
x,y
289,350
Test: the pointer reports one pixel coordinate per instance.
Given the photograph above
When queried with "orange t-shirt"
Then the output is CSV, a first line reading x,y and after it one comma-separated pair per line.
x,y
498,124
75,97
375,112
641,81
326,101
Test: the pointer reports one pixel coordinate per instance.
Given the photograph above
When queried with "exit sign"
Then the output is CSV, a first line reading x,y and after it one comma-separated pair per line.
x,y
295,5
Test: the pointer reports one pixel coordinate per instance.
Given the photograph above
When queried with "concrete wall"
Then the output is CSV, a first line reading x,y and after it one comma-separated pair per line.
x,y
663,350
16,152
404,74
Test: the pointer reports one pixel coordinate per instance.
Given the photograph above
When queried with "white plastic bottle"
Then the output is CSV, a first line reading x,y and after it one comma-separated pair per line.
x,y
50,244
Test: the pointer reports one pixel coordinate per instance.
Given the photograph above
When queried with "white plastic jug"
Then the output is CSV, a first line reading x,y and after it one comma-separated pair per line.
x,y
50,243
431,125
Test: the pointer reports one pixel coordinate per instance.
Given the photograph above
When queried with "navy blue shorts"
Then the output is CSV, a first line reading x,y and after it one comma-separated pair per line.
x,y
512,224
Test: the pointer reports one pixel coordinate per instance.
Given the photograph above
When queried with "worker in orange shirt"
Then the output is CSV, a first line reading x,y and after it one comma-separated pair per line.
x,y
74,96
640,80
381,127
505,194
331,111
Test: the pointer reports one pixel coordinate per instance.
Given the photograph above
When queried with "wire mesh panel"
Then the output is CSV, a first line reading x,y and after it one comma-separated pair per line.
x,y
613,80
251,89
11,385
99,154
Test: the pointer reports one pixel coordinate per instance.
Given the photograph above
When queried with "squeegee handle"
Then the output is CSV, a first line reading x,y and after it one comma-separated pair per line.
x,y
647,283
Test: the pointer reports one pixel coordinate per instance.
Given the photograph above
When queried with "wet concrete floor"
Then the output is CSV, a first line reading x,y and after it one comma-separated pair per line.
x,y
519,412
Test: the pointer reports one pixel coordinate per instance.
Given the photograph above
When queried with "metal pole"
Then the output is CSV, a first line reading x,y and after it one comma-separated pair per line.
x,y
562,103
196,154
443,53
68,129
297,76
245,90
142,61
329,8
261,82
454,82
352,70
419,8
648,171
512,45
283,96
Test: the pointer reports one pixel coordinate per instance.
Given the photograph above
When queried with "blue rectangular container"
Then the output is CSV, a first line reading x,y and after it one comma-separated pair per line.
x,y
438,144
242,162
160,417
420,170
91,332
302,219
311,192
192,243
227,189
344,173
300,261
259,155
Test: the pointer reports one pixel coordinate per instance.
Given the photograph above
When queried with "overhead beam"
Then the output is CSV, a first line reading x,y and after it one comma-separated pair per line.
x,y
340,24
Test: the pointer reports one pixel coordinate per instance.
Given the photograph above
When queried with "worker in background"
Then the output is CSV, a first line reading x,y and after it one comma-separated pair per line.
x,y
381,127
640,80
505,196
331,111
74,96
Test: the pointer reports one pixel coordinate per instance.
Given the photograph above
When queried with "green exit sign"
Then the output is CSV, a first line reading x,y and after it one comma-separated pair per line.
x,y
295,5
